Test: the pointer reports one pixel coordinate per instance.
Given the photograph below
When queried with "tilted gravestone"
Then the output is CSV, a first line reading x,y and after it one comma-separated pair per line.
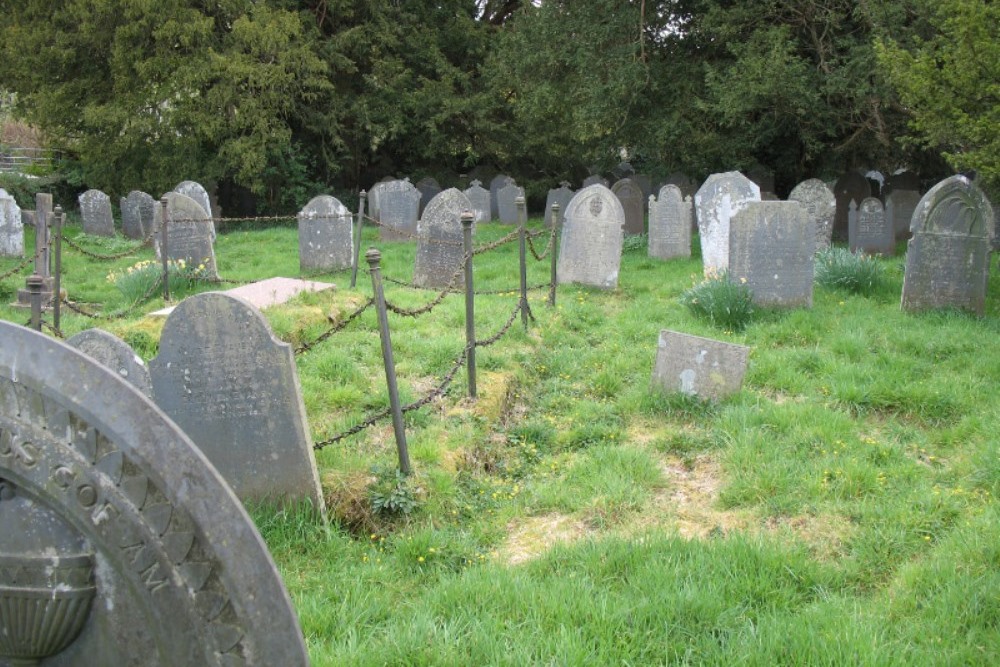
x,y
507,203
820,205
562,196
197,192
852,186
429,189
632,200
120,544
399,208
480,199
899,208
224,378
771,250
719,198
594,179
699,366
326,235
948,258
590,248
496,183
189,233
868,229
95,213
11,227
440,255
137,214
112,352
670,224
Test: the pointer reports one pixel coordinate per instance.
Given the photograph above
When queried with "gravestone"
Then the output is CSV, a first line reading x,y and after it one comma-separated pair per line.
x,y
903,179
899,207
670,224
440,254
375,201
697,366
590,248
594,179
506,203
400,205
429,189
95,213
11,227
820,205
869,230
326,235
771,251
480,199
224,378
948,258
852,186
120,543
630,195
561,195
496,184
112,352
189,234
195,191
137,214
719,198
645,184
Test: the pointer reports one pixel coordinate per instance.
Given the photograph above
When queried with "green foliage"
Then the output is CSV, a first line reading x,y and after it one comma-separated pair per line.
x,y
392,493
63,188
139,281
721,302
857,273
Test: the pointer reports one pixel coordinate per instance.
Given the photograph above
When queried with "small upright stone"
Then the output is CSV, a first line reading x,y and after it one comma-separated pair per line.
x,y
399,207
189,234
670,224
326,235
496,184
697,366
506,206
561,196
11,227
95,212
429,189
820,205
852,186
480,198
590,248
112,352
719,198
197,192
137,214
440,254
868,229
771,250
630,195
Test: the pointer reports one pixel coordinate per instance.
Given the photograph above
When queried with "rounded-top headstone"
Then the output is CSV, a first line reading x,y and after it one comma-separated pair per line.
x,y
820,205
137,214
189,234
590,248
633,203
719,198
852,186
326,235
112,352
440,254
95,213
11,227
197,192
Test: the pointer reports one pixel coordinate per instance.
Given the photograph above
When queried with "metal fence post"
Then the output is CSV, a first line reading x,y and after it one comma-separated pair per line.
x,y
57,225
34,284
357,241
522,219
552,261
163,248
468,217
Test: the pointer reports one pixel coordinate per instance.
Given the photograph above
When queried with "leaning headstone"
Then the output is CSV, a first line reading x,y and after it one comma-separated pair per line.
x,y
771,250
429,189
561,195
590,248
197,192
137,214
948,258
11,227
506,203
719,198
594,179
112,352
630,195
224,378
95,213
189,234
868,229
480,198
670,224
899,207
326,235
852,186
400,206
440,254
820,205
496,184
697,366
121,544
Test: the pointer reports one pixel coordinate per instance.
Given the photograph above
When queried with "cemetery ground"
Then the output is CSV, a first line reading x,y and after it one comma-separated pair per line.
x,y
841,509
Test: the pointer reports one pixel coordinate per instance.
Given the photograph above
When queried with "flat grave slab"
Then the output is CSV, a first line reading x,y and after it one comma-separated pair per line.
x,y
266,293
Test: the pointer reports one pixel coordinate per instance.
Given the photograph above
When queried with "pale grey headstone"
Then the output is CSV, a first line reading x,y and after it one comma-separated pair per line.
x,y
868,229
590,248
948,258
11,227
562,196
224,378
400,204
439,241
480,198
633,203
496,183
197,192
326,235
137,214
95,212
852,186
112,352
429,189
697,366
820,205
506,203
189,233
594,179
375,201
771,249
719,198
121,544
899,207
670,224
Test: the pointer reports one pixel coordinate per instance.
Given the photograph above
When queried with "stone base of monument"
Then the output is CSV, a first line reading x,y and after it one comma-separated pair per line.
x,y
24,296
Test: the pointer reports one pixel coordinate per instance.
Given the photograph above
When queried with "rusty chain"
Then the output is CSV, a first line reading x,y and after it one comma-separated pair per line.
x,y
118,314
305,347
548,246
17,269
146,241
504,329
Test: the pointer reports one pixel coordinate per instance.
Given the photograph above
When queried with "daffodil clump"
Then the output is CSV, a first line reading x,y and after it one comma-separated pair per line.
x,y
725,304
857,273
139,281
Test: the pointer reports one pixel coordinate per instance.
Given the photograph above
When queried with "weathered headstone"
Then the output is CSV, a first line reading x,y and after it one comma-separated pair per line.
x,y
632,201
852,186
440,254
868,229
590,248
948,258
771,249
496,183
197,192
506,203
480,198
189,233
670,224
375,201
11,227
697,366
95,213
719,198
400,205
594,179
429,189
224,378
820,205
112,352
326,235
120,544
137,214
561,195
899,207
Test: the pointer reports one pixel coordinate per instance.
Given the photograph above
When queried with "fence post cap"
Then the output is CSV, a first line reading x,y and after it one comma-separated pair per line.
x,y
373,256
468,217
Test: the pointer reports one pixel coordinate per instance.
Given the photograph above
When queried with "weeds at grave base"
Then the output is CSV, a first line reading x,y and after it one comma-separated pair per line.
x,y
857,273
139,280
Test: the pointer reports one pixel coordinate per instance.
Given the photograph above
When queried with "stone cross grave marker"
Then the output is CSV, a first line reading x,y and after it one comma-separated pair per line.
x,y
112,352
399,205
771,250
852,186
197,192
11,227
189,234
820,205
697,366
869,230
670,224
561,195
95,212
590,248
496,183
506,202
326,235
480,198
630,195
899,208
719,198
137,214
429,189
440,255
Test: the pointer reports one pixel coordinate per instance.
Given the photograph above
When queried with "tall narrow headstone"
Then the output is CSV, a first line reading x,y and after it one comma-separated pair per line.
x,y
326,235
630,195
429,189
112,352
189,233
820,205
590,248
440,254
948,258
506,206
197,192
697,366
852,186
137,214
400,204
869,231
480,198
719,198
224,378
561,196
771,250
899,207
670,224
95,213
11,227
496,183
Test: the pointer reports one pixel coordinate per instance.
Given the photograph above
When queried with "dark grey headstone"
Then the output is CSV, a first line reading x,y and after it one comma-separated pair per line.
x,y
590,248
670,224
95,212
683,182
506,203
594,179
189,233
496,183
948,258
197,192
820,205
562,196
852,186
11,227
232,386
120,544
645,184
633,203
439,241
719,198
429,189
112,352
699,366
899,207
771,248
137,214
868,229
763,177
902,180
623,170
375,201
480,199
326,235
400,203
